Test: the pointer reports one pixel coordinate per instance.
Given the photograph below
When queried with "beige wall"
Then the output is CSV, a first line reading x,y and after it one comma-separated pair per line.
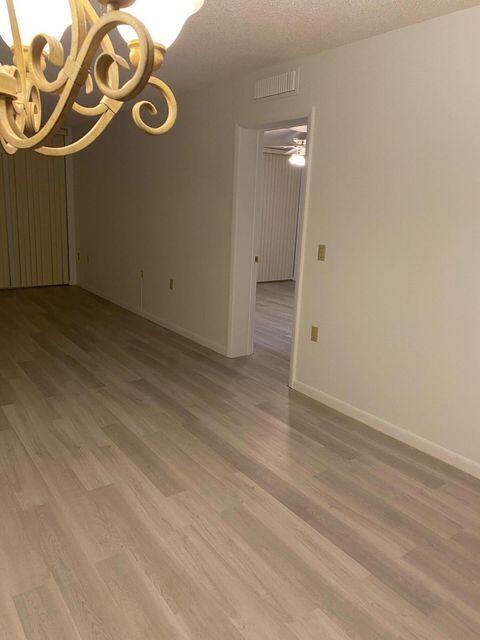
x,y
395,194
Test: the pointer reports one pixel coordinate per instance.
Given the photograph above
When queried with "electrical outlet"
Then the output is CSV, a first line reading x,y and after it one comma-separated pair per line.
x,y
322,252
141,274
172,284
78,256
314,334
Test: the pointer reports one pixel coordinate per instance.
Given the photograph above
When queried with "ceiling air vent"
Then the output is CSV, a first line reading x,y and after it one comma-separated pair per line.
x,y
282,84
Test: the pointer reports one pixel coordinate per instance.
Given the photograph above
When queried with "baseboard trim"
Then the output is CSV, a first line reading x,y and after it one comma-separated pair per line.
x,y
407,437
205,342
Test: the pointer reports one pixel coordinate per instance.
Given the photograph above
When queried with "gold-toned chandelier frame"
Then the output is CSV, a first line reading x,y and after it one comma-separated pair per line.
x,y
22,83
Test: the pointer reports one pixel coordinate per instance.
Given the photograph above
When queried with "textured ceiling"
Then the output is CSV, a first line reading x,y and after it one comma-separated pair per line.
x,y
231,36
228,36
283,137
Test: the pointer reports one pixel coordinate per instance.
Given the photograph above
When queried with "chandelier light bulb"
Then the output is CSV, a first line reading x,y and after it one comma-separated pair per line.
x,y
163,18
297,160
34,18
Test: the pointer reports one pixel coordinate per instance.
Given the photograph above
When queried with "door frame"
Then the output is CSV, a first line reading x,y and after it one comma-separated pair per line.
x,y
248,182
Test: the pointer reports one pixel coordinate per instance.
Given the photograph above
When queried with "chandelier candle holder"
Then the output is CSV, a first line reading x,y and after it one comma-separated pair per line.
x,y
22,84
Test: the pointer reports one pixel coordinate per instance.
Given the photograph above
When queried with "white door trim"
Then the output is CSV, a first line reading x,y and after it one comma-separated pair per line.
x,y
243,273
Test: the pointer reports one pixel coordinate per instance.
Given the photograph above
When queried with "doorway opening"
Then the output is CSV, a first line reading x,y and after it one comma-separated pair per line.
x,y
278,237
246,313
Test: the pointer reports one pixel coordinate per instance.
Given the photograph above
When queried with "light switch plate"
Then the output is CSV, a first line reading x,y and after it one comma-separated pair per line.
x,y
322,252
314,334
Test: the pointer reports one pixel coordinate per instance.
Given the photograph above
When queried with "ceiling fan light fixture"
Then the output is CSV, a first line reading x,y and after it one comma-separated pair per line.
x,y
297,160
299,153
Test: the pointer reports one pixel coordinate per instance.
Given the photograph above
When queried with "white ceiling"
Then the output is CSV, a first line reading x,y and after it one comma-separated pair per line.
x,y
228,36
283,137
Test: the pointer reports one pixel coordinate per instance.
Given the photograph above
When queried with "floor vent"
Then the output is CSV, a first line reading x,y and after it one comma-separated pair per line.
x,y
278,85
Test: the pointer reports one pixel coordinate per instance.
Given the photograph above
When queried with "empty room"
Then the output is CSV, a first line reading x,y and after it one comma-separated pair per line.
x,y
239,320
278,234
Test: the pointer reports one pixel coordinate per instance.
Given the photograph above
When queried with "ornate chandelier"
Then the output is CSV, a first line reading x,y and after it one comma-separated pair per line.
x,y
22,83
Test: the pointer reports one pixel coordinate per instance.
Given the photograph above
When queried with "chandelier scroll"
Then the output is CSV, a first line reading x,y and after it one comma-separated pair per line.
x,y
23,83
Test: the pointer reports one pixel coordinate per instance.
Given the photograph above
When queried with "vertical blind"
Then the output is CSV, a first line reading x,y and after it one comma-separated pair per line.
x,y
34,235
278,218
4,255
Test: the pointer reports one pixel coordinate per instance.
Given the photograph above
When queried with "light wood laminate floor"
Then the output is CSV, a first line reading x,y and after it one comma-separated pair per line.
x,y
151,489
274,320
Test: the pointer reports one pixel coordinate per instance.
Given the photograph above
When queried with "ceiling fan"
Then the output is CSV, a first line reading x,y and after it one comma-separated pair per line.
x,y
297,151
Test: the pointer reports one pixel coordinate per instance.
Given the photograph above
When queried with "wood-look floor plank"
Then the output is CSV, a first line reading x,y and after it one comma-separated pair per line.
x,y
10,625
44,614
148,615
18,470
21,565
7,393
92,610
4,424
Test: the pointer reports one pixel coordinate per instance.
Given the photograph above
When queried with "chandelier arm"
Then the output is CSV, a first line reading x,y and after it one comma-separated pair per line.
x,y
37,56
18,51
85,141
89,112
109,60
91,17
8,148
167,94
77,74
83,15
33,110
37,47
26,115
16,120
79,29
14,136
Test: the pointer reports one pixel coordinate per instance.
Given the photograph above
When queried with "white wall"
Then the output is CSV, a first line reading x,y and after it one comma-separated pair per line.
x,y
395,194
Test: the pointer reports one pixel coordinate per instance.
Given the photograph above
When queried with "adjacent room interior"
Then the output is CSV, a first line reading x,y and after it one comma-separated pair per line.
x,y
278,236
239,345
